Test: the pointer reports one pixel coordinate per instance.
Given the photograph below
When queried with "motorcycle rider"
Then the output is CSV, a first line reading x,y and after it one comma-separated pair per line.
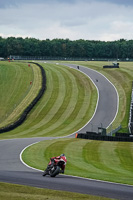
x,y
52,160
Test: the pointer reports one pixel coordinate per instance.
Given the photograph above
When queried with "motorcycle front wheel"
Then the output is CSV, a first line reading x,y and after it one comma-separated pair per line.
x,y
55,172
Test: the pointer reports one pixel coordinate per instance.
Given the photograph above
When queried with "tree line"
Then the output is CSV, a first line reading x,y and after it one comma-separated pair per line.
x,y
120,49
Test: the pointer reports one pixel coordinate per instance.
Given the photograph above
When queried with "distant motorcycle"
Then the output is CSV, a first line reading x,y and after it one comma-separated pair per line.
x,y
55,166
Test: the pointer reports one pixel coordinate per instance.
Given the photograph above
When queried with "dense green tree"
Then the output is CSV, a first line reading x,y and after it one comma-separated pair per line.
x,y
85,49
3,52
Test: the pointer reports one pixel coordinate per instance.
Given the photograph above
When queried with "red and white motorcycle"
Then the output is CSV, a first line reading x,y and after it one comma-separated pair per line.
x,y
56,166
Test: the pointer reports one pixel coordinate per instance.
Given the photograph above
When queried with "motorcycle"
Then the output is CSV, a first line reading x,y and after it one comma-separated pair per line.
x,y
54,167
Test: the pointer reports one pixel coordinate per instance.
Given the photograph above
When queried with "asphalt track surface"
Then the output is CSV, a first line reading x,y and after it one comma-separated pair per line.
x,y
108,100
12,170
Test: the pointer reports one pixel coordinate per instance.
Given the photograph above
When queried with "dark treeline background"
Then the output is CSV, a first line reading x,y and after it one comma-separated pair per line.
x,y
66,48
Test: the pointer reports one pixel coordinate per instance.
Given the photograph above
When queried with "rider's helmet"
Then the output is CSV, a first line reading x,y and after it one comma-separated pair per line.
x,y
62,154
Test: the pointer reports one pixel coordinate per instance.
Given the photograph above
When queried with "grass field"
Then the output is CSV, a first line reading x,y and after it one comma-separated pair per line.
x,y
68,104
109,161
19,192
16,90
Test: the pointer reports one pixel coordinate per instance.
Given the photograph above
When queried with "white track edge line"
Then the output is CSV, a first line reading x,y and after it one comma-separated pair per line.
x,y
78,177
20,156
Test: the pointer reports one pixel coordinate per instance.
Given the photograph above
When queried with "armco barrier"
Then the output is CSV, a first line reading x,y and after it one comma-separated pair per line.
x,y
114,131
104,138
30,106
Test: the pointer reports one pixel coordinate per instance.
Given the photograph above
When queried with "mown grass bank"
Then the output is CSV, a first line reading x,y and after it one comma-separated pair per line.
x,y
67,105
19,85
109,161
19,192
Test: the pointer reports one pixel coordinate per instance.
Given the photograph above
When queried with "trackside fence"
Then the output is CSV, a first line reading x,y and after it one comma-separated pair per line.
x,y
131,114
103,137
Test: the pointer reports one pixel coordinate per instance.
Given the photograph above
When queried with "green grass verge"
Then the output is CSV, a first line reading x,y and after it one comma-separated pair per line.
x,y
109,161
68,103
19,192
17,92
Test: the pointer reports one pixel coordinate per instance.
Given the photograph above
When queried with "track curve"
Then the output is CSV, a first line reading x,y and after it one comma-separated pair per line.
x,y
12,169
108,100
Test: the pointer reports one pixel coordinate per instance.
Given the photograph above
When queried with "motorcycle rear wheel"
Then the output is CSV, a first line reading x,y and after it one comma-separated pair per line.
x,y
55,172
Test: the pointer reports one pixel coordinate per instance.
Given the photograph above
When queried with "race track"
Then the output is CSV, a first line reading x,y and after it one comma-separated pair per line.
x,y
12,170
108,100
